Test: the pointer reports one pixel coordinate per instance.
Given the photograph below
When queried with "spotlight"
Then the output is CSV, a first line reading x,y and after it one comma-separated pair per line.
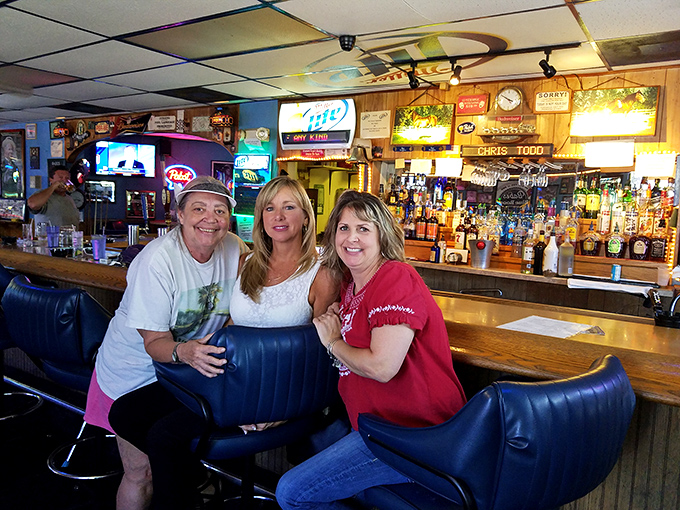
x,y
412,80
548,70
455,77
347,42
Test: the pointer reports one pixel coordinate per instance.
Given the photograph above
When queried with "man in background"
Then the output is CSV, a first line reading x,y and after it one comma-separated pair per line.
x,y
53,203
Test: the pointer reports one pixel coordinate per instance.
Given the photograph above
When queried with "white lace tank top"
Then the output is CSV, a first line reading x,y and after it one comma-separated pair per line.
x,y
282,305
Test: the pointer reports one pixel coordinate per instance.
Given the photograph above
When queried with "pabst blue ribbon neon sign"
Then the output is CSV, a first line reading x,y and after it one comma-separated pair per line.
x,y
179,174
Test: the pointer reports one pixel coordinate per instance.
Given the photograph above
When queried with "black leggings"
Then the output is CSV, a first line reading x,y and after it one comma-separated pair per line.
x,y
159,425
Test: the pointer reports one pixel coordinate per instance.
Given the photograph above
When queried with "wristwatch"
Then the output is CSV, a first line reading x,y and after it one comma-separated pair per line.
x,y
175,357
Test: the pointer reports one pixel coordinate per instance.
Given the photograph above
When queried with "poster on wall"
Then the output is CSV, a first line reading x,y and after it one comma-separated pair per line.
x,y
13,164
615,112
422,125
375,124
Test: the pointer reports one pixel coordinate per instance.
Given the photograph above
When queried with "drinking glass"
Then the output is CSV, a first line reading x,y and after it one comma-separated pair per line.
x,y
98,246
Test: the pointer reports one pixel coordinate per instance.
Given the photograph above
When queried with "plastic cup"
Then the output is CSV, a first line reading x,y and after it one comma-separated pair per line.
x,y
98,246
52,236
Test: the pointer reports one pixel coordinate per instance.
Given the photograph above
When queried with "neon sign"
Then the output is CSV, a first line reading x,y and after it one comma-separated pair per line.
x,y
328,124
178,174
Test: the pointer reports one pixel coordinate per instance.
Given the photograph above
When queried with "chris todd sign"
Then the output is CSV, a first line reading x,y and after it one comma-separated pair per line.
x,y
317,125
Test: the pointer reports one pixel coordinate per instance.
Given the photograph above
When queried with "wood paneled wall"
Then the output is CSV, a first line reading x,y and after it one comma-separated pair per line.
x,y
551,127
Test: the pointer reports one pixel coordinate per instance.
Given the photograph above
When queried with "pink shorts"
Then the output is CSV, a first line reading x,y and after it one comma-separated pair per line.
x,y
98,405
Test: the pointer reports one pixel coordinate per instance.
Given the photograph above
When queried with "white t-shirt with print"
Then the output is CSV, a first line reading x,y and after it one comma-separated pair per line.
x,y
167,289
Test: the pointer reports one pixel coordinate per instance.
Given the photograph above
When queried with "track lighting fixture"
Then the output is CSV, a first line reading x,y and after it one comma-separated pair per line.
x,y
548,70
412,80
456,70
347,42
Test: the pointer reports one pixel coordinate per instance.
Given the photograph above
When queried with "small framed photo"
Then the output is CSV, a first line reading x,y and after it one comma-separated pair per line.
x,y
31,131
223,171
34,158
51,163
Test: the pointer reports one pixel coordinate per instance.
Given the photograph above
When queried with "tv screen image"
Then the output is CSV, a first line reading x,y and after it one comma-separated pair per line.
x,y
128,159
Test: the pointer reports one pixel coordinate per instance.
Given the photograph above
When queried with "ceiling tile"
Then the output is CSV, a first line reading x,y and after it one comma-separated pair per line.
x,y
609,19
90,109
47,113
289,61
181,75
24,36
107,19
250,90
85,91
641,49
25,78
247,31
198,94
17,102
101,59
143,102
361,17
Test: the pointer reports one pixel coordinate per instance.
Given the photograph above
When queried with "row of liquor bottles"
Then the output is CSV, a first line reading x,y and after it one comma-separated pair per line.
x,y
617,212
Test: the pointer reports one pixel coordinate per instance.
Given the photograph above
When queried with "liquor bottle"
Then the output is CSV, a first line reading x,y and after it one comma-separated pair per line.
x,y
435,252
657,249
472,232
459,236
410,227
442,248
639,247
551,257
604,216
590,242
421,226
580,195
615,244
495,236
517,241
630,224
527,266
593,200
431,227
539,249
565,264
449,196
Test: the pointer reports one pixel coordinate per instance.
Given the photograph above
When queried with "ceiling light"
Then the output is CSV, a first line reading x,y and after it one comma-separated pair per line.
x,y
412,80
548,70
455,77
347,42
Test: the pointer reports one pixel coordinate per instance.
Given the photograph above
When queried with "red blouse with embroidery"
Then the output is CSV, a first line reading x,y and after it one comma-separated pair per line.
x,y
426,390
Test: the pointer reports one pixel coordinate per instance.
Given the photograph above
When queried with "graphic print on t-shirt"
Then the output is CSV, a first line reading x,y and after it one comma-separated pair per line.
x,y
196,306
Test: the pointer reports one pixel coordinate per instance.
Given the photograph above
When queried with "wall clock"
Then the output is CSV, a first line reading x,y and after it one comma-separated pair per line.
x,y
509,98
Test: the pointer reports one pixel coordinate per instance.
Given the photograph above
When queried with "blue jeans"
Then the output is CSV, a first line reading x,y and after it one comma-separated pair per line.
x,y
339,472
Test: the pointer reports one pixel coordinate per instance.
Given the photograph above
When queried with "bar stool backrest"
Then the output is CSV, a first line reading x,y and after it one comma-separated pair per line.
x,y
61,327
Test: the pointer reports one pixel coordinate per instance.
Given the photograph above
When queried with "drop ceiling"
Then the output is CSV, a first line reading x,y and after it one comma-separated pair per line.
x,y
70,58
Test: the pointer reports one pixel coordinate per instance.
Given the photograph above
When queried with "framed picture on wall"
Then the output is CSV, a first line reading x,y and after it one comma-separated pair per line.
x,y
422,125
31,131
223,171
51,163
133,204
13,166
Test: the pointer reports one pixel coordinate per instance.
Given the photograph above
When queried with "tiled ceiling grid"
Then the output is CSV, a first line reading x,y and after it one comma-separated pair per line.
x,y
76,59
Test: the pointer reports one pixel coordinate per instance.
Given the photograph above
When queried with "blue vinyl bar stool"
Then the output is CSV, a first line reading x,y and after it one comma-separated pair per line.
x,y
514,445
62,329
273,374
16,403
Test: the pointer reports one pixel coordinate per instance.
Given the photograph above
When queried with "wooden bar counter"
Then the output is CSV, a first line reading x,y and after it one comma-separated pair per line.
x,y
647,475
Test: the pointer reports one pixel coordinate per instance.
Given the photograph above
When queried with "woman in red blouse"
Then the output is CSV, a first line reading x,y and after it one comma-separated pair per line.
x,y
390,342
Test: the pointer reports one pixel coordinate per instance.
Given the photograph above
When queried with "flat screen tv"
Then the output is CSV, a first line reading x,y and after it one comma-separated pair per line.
x,y
127,159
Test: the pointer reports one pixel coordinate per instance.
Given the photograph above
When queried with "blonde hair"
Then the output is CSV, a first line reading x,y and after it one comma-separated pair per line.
x,y
369,208
254,273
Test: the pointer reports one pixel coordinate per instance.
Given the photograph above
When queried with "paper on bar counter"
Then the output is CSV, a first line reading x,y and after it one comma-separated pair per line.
x,y
550,327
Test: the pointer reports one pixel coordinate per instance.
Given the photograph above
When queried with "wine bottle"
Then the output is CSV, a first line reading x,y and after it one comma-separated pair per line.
x,y
539,249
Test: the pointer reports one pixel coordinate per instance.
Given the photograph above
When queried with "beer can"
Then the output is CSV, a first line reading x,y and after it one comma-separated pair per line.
x,y
616,272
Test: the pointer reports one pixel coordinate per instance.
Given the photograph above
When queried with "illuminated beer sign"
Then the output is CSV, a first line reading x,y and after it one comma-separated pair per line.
x,y
326,124
179,174
527,150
